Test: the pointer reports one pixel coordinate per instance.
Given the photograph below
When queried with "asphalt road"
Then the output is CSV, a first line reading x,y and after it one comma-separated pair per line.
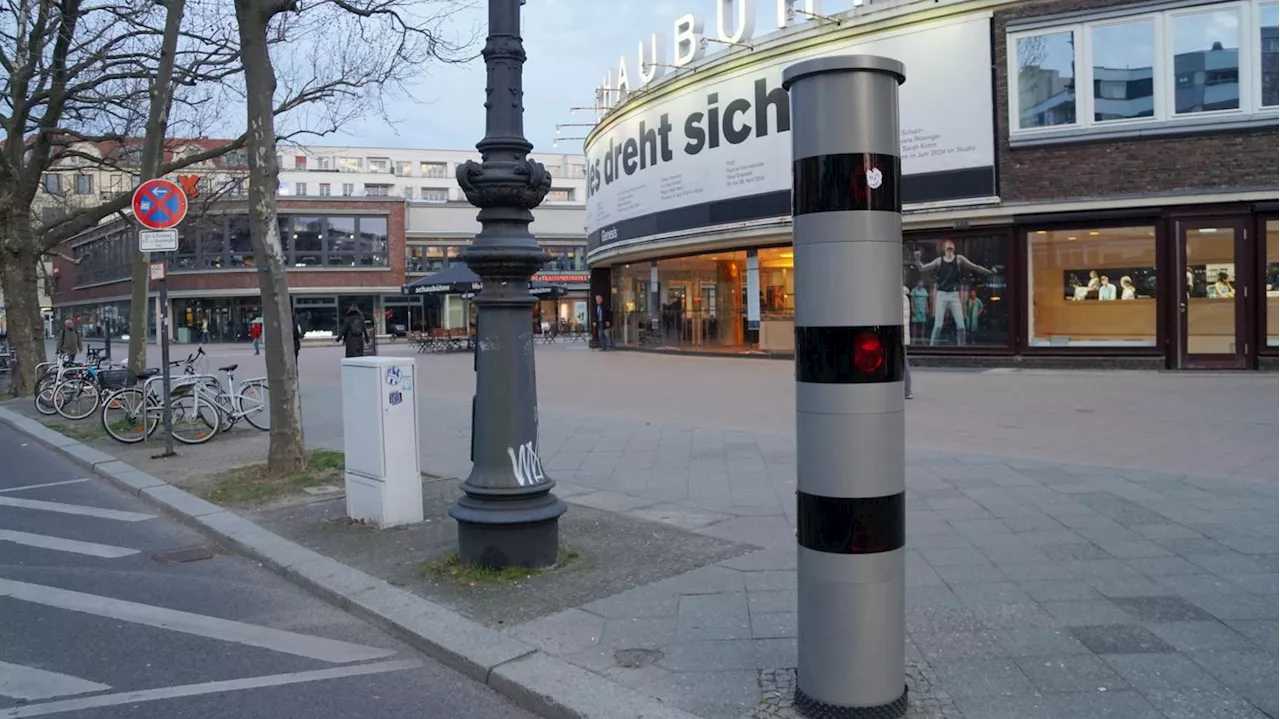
x,y
95,624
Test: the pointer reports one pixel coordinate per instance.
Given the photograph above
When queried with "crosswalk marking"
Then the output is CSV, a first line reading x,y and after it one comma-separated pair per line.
x,y
193,690
79,509
302,645
42,486
27,683
92,549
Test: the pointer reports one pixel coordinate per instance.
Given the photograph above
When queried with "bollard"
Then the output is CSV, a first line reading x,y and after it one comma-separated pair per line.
x,y
850,433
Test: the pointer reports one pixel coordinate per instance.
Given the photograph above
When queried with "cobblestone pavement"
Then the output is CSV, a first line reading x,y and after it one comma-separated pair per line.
x,y
1080,544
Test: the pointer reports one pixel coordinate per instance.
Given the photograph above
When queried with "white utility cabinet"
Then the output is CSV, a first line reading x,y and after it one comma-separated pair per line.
x,y
380,436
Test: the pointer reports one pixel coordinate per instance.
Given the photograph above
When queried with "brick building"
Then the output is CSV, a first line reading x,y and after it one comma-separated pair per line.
x,y
1109,169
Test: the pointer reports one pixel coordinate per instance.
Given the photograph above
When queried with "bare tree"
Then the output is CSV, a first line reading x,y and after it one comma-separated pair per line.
x,y
368,45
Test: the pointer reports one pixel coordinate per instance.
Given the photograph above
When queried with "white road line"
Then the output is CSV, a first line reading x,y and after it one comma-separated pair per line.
x,y
193,690
46,484
74,509
92,549
302,645
19,682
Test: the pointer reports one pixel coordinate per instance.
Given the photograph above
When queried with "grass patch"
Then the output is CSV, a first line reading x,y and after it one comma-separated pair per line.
x,y
450,568
253,484
85,431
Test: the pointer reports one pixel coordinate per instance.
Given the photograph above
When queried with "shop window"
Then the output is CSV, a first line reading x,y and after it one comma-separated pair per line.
x,y
239,241
700,302
1124,58
777,283
308,242
1206,61
957,289
340,242
373,241
1269,54
1046,82
1092,287
1271,283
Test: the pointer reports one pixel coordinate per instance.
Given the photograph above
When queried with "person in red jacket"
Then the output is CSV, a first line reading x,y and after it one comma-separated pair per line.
x,y
255,334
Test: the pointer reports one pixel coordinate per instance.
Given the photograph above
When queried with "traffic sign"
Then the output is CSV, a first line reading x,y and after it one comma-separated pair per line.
x,y
159,204
157,240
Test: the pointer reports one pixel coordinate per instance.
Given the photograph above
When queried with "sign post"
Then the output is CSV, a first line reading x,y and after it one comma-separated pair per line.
x,y
159,205
850,431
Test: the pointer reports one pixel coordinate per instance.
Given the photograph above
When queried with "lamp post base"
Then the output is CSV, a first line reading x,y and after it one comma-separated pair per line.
x,y
508,532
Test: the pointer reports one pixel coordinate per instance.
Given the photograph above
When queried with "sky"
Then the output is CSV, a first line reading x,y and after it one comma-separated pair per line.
x,y
571,44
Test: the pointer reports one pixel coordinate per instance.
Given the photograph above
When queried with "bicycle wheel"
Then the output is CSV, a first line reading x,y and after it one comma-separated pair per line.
x,y
44,395
195,419
125,416
255,405
76,398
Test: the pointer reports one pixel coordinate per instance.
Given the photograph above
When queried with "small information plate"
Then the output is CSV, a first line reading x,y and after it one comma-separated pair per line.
x,y
157,240
157,270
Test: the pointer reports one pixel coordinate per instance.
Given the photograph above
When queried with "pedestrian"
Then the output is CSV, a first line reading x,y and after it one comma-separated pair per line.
x,y
906,339
204,331
297,339
604,322
353,333
69,343
255,334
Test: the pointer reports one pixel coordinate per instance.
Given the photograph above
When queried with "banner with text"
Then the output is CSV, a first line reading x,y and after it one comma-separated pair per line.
x,y
720,152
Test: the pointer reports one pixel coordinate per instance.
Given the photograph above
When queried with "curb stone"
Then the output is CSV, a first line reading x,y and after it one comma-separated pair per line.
x,y
533,680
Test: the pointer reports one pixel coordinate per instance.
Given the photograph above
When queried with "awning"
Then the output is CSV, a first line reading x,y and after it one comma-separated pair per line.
x,y
460,280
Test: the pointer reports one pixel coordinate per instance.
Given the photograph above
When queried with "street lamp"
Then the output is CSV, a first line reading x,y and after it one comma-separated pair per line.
x,y
508,515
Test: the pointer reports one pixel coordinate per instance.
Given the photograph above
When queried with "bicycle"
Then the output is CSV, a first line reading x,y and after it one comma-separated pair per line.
x,y
250,401
53,373
132,414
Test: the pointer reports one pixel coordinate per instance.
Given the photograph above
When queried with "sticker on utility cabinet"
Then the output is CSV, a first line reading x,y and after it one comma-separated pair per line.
x,y
393,376
406,384
394,398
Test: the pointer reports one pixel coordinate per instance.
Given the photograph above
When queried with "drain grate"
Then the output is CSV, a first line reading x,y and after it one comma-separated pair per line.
x,y
187,554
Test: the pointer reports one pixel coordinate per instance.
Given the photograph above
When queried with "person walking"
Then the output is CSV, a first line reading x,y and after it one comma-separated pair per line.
x,y
906,339
297,339
68,340
255,334
353,333
204,331
604,321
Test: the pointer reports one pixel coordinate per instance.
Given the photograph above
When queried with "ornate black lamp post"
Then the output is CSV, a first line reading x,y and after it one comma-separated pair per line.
x,y
508,516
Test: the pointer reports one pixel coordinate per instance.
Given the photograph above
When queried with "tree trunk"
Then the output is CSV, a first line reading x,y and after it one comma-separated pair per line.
x,y
287,449
20,283
160,100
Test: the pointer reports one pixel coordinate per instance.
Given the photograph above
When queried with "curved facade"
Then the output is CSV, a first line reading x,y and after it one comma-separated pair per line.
x,y
1080,177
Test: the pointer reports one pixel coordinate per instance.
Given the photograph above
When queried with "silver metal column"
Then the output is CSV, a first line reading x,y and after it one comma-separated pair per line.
x,y
849,390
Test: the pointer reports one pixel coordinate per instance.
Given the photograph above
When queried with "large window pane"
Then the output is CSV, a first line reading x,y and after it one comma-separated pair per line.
x,y
239,241
1046,80
373,241
701,303
1123,71
1206,61
1093,287
341,241
1272,283
308,242
957,291
1269,51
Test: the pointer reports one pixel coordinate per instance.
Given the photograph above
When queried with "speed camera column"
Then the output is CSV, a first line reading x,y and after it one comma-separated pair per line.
x,y
850,449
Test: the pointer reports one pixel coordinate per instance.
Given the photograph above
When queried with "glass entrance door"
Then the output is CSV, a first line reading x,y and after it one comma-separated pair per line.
x,y
1213,288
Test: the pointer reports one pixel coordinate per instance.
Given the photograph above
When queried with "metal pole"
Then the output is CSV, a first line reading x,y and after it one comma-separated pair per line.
x,y
162,327
850,451
508,515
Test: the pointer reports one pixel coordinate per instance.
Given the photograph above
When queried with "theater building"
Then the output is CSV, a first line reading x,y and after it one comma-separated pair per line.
x,y
1083,181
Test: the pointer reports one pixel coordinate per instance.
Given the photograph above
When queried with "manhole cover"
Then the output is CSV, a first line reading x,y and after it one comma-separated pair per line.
x,y
636,658
182,556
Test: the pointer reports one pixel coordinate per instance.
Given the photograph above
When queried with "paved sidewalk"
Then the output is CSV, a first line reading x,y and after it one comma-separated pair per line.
x,y
1079,543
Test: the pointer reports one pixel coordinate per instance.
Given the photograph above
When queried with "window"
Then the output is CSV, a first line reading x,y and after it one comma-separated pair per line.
x,y
300,162
577,170
566,258
423,258
308,242
1268,53
324,189
1046,82
1206,61
300,189
237,158
348,189
408,193
1271,283
404,168
372,243
1123,70
560,194
1092,287
555,171
377,190
351,164
84,184
431,194
324,163
341,241
434,169
239,242
956,288
52,183
379,164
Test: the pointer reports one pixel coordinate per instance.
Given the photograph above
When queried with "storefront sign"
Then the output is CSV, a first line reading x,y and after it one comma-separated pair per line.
x,y
719,153
563,278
